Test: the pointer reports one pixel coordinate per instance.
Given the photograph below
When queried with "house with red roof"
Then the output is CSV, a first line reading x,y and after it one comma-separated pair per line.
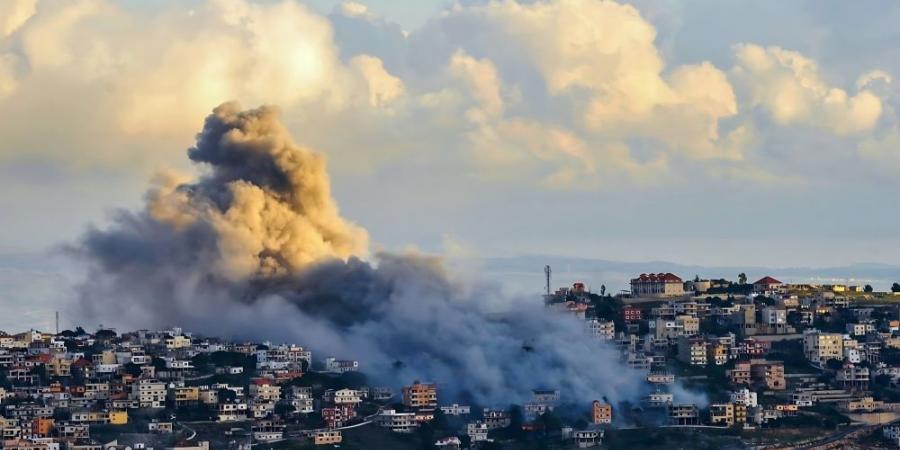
x,y
657,285
767,284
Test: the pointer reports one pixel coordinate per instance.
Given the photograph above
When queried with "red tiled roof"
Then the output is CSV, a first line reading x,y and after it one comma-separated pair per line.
x,y
43,357
767,281
82,363
664,277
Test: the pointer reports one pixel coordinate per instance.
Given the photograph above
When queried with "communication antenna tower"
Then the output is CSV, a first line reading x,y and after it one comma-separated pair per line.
x,y
547,273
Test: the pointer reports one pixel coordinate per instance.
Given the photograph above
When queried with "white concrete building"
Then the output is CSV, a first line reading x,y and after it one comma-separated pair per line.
x,y
860,329
601,329
396,421
263,391
774,316
347,396
149,393
478,431
335,365
744,397
456,410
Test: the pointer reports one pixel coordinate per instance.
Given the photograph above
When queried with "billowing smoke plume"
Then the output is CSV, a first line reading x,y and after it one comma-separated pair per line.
x,y
255,247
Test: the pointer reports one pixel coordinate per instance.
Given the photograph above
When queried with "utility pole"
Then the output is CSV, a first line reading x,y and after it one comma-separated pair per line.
x,y
57,322
547,273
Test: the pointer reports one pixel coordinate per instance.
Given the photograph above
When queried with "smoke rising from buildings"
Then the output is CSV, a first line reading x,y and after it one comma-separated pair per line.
x,y
255,247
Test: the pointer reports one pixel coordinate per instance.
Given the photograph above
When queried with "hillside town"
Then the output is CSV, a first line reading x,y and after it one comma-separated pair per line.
x,y
766,364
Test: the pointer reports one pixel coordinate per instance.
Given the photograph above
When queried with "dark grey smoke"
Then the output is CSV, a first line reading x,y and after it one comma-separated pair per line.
x,y
279,264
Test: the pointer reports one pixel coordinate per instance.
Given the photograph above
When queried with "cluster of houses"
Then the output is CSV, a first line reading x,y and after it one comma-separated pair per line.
x,y
55,388
837,339
777,348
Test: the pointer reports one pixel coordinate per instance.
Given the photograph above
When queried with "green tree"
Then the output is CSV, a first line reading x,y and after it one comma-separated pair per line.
x,y
551,422
516,419
227,395
284,409
105,335
742,278
602,290
868,288
132,369
159,364
834,364
895,287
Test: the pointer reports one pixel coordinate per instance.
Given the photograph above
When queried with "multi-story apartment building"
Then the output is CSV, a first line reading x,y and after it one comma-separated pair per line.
x,y
744,397
477,431
657,285
334,365
774,315
717,354
496,418
96,391
631,314
59,367
587,438
601,412
659,399
420,395
338,415
819,347
721,414
860,329
852,376
767,285
671,329
684,414
264,390
398,422
745,319
149,393
290,353
233,411
186,396
740,374
176,342
456,410
347,397
769,374
601,329
692,350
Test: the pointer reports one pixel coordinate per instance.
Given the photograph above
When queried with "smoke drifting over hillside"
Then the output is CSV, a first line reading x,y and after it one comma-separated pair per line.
x,y
255,247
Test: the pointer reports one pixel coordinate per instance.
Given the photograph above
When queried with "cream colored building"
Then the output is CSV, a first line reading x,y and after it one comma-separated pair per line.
x,y
149,394
347,396
819,347
657,285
